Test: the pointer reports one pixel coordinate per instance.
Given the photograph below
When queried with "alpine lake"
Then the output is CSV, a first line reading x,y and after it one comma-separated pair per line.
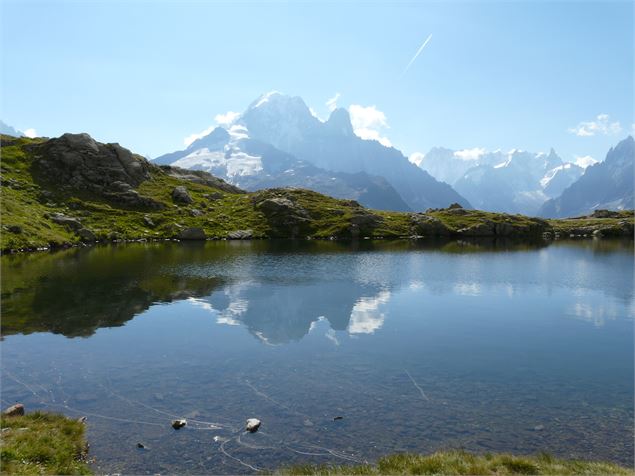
x,y
345,352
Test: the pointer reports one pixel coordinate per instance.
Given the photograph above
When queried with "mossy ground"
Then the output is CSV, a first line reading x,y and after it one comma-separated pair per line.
x,y
42,443
27,201
461,462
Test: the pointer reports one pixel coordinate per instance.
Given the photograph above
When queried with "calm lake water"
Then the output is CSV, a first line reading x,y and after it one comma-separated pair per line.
x,y
418,346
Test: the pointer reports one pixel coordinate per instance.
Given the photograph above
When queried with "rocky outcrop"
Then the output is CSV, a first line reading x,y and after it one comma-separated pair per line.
x,y
426,225
286,218
76,162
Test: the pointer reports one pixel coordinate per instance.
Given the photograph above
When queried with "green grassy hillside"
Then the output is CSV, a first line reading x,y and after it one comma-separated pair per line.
x,y
65,191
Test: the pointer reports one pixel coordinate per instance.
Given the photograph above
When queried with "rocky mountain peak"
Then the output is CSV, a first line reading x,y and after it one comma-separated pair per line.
x,y
340,121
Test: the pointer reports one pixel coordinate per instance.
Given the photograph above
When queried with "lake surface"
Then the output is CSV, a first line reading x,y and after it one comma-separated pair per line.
x,y
418,346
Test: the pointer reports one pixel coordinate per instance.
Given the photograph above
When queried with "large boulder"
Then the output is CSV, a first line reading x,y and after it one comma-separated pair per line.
x,y
79,163
192,233
181,195
14,410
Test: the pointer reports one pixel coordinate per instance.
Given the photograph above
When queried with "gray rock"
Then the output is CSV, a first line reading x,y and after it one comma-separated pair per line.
x,y
427,225
14,410
181,195
86,235
480,229
178,424
240,235
195,213
252,425
69,222
147,221
598,234
504,229
213,196
15,229
192,233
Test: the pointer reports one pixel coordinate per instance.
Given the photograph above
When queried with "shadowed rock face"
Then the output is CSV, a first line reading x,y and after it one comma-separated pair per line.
x,y
77,162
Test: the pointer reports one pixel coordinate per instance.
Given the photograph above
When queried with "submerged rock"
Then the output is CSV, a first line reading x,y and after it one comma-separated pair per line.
x,y
14,410
338,418
252,425
178,424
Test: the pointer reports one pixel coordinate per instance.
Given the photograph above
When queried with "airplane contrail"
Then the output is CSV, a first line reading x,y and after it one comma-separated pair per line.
x,y
416,54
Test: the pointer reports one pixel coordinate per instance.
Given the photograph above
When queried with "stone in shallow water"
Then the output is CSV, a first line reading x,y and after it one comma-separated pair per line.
x,y
18,410
252,425
178,424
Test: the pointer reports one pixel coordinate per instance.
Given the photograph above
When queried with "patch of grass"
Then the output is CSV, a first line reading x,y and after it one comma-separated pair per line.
x,y
462,462
42,443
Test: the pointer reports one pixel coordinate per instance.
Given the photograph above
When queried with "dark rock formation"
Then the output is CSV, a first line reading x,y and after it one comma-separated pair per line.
x,y
76,162
192,233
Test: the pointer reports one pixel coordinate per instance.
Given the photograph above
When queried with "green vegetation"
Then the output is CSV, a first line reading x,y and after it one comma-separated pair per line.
x,y
42,443
461,462
31,199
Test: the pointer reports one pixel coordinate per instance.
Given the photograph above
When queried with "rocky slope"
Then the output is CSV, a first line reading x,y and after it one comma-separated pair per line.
x,y
72,190
605,185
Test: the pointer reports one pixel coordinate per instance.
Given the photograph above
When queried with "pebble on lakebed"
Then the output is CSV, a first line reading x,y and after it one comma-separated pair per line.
x,y
178,424
252,425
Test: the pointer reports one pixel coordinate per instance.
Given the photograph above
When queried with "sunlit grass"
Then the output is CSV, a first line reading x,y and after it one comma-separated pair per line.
x,y
42,443
462,462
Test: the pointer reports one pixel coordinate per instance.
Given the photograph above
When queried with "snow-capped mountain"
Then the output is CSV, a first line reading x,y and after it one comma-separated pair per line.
x,y
514,182
251,164
605,185
277,141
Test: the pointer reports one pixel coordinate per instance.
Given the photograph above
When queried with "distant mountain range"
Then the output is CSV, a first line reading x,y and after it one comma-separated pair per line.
x,y
8,130
277,141
513,182
605,185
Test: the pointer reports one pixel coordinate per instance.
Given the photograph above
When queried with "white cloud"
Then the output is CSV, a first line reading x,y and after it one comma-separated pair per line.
x,y
226,119
30,133
331,104
470,154
584,161
368,121
600,126
416,158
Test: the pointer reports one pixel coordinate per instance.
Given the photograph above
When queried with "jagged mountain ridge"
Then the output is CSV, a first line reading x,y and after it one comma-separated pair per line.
x,y
514,182
287,124
605,185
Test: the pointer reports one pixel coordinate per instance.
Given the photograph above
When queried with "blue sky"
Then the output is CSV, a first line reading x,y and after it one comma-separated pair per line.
x,y
493,75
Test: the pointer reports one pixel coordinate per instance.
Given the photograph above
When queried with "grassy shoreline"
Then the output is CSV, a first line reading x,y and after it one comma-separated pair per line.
x,y
50,443
456,462
42,443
